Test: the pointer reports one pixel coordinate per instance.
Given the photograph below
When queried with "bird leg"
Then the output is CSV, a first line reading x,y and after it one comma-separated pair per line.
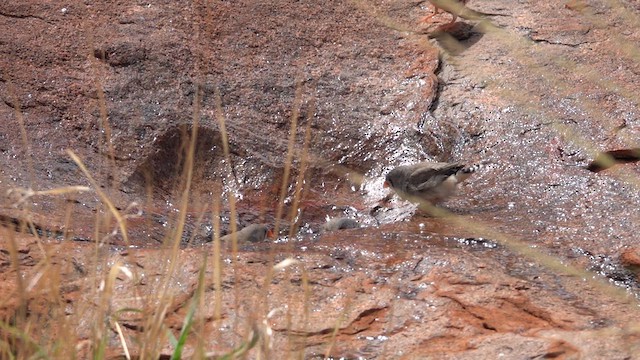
x,y
436,11
454,7
450,24
455,17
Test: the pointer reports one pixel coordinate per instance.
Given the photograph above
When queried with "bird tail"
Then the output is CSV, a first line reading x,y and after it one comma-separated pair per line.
x,y
466,171
470,14
470,169
458,8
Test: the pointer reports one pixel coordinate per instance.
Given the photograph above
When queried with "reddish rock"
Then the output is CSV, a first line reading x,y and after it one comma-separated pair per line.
x,y
630,257
539,96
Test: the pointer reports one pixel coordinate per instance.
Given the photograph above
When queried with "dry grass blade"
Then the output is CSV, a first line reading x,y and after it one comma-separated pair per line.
x,y
189,319
103,309
300,180
32,347
27,333
123,342
103,196
187,177
217,253
15,264
231,197
25,194
293,130
242,349
524,248
519,47
263,304
223,131
102,102
23,133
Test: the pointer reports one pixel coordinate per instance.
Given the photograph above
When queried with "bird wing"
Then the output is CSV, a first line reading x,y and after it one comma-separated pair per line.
x,y
427,177
450,6
458,8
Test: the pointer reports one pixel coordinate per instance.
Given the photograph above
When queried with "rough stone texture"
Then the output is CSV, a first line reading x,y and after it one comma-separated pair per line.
x,y
539,95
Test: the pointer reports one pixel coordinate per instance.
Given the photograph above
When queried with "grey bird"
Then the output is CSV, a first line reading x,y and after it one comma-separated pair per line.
x,y
340,224
428,181
455,8
252,233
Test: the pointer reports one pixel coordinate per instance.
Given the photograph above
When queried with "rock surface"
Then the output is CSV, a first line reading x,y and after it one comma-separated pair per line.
x,y
538,258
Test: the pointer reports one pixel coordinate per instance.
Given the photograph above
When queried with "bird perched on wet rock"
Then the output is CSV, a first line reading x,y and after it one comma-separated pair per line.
x,y
455,8
252,233
340,224
430,182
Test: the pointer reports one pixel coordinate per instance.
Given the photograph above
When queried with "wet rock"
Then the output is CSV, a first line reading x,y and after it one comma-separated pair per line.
x,y
340,224
607,159
545,90
252,233
630,258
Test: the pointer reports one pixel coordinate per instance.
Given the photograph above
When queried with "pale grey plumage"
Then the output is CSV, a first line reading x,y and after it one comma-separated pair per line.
x,y
340,224
455,8
428,181
251,233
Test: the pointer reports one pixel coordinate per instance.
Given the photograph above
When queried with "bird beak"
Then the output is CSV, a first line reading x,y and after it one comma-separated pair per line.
x,y
386,184
270,234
